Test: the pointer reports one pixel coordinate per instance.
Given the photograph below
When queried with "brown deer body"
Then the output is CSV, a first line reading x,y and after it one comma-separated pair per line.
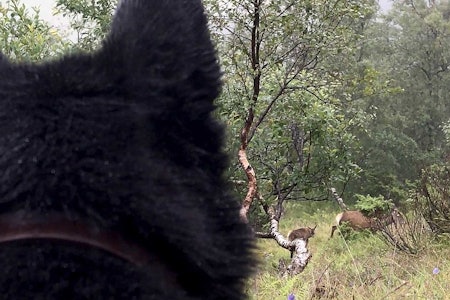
x,y
303,233
358,221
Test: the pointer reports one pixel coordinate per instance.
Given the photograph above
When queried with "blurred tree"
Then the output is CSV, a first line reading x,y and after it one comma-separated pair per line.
x,y
89,18
408,51
25,36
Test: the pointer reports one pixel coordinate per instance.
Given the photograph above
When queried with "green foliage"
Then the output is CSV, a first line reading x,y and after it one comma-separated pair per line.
x,y
276,66
349,234
90,19
24,36
371,206
405,56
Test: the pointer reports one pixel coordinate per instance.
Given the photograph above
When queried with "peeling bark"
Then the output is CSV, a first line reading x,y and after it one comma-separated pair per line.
x,y
339,200
242,155
300,258
301,255
252,186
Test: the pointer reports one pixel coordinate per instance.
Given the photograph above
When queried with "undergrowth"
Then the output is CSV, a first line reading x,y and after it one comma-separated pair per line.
x,y
359,267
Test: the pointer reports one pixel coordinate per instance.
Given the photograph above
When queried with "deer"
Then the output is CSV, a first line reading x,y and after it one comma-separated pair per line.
x,y
302,233
358,221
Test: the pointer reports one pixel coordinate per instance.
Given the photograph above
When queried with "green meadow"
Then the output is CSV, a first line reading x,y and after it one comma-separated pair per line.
x,y
363,267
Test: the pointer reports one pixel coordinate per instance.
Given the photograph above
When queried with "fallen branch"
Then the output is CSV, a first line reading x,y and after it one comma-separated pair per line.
x,y
301,255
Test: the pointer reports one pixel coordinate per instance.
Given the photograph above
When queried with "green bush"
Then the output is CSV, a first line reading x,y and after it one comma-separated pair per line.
x,y
373,206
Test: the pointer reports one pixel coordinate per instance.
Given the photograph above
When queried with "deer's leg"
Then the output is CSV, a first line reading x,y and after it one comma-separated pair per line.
x,y
332,230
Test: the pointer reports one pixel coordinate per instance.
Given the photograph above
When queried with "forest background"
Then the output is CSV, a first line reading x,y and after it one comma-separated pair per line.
x,y
317,95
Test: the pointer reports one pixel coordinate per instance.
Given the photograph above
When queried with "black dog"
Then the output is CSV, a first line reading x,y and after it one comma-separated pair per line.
x,y
111,168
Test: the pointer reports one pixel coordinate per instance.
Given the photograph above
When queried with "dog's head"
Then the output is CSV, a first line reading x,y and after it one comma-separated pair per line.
x,y
112,167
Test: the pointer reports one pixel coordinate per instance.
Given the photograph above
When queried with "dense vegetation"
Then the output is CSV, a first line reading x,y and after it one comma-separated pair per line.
x,y
361,267
319,94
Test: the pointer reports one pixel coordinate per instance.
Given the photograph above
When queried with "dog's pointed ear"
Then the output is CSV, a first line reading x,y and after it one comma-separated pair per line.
x,y
163,43
139,17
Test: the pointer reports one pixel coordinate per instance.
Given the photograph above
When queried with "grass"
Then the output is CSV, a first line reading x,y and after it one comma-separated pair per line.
x,y
361,268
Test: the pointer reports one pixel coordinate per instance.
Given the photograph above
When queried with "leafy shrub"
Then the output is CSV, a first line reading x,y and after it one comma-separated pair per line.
x,y
373,206
349,234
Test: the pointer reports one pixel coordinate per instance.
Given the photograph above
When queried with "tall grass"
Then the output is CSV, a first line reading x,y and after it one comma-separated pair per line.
x,y
363,267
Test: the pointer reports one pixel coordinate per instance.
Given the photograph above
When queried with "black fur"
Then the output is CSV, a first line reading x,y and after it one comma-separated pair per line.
x,y
123,139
